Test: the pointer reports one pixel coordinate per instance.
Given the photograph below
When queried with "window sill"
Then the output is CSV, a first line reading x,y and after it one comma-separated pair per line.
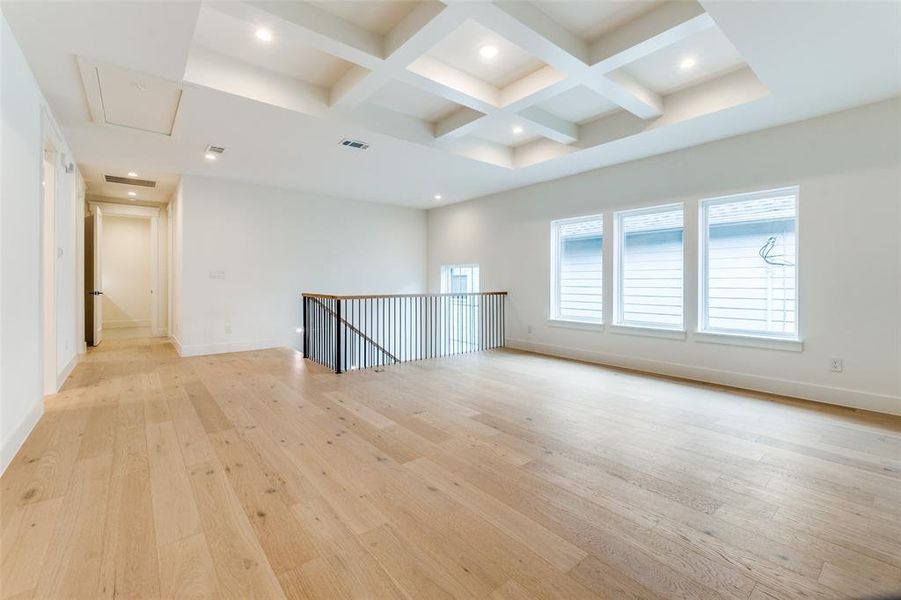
x,y
583,325
657,332
750,341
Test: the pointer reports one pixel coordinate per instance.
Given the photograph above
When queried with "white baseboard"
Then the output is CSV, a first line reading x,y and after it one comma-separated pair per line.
x,y
224,347
12,445
882,403
122,324
61,378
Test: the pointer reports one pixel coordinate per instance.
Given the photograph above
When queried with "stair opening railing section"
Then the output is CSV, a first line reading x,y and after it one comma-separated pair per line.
x,y
347,333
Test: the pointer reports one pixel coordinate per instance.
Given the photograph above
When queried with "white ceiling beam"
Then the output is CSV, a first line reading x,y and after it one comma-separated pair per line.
x,y
223,73
566,55
424,27
322,30
544,83
630,95
419,31
452,84
458,123
550,126
533,31
662,27
355,87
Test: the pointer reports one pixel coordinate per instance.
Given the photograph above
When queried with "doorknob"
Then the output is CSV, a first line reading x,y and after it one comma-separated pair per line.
x,y
95,293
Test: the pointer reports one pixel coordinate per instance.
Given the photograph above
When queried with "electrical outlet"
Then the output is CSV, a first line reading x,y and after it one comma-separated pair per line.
x,y
228,329
529,329
836,365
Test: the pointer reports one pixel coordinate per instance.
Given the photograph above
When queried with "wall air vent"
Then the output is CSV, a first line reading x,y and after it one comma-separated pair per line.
x,y
129,181
358,144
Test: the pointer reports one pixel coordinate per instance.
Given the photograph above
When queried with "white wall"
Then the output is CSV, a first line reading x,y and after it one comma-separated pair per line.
x,y
848,166
126,271
248,252
175,262
21,333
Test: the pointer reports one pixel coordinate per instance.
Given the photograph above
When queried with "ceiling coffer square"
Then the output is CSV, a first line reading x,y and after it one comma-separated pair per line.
x,y
129,181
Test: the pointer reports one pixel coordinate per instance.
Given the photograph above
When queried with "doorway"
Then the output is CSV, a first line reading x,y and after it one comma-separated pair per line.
x,y
123,272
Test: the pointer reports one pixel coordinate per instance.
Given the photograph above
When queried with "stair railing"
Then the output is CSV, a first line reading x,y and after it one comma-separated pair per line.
x,y
359,332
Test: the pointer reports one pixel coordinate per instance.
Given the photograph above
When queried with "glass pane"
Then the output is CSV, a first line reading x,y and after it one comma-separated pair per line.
x,y
751,266
651,262
580,274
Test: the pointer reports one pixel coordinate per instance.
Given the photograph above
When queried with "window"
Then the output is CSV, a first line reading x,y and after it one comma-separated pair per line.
x,y
649,268
460,279
749,264
577,259
459,320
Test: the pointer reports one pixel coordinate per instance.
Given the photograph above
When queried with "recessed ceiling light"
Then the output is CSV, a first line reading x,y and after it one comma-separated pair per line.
x,y
264,35
132,174
688,63
131,194
517,129
209,156
488,51
437,196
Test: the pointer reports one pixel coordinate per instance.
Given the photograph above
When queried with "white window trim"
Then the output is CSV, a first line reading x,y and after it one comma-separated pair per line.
x,y
747,338
749,341
657,331
640,328
554,318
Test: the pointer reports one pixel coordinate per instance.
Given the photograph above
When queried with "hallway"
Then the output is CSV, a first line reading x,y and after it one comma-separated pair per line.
x,y
496,474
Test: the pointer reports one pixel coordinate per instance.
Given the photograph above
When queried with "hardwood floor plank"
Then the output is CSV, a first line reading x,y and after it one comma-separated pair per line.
x,y
186,569
242,570
26,540
500,475
174,510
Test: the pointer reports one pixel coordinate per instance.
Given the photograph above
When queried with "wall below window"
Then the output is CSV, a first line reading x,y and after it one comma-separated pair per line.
x,y
243,254
848,167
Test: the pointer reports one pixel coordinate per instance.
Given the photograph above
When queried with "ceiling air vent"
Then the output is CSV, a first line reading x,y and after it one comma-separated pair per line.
x,y
130,181
358,144
215,149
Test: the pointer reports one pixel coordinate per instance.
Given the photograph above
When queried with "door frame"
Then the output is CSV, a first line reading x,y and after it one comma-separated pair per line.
x,y
110,209
51,145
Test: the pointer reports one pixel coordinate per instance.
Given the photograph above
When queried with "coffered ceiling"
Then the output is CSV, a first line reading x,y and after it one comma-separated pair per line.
x,y
455,98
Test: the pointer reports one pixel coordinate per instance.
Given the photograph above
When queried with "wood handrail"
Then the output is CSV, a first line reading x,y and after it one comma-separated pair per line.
x,y
373,296
351,327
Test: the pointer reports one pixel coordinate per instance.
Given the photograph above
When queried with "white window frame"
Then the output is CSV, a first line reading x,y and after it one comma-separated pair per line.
x,y
620,325
715,335
554,316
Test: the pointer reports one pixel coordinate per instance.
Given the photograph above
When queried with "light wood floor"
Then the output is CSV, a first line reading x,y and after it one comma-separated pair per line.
x,y
496,475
